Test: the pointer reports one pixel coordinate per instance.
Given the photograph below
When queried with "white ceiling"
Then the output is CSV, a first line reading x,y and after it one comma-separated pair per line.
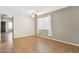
x,y
27,10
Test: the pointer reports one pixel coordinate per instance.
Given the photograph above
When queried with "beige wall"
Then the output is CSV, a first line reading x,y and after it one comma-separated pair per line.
x,y
65,24
62,22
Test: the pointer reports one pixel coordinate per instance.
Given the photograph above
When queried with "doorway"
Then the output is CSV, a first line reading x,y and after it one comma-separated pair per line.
x,y
3,26
6,33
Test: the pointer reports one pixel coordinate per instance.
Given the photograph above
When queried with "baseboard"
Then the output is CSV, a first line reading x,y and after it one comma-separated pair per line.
x,y
23,36
59,40
51,39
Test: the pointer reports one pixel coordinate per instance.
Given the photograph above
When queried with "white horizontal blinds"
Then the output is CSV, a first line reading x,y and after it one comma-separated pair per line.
x,y
44,24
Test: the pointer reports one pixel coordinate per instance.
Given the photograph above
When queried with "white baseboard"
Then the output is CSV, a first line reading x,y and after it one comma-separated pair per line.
x,y
23,36
51,39
59,40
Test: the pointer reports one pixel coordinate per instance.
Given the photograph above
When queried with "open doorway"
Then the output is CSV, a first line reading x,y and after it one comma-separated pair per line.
x,y
3,26
6,33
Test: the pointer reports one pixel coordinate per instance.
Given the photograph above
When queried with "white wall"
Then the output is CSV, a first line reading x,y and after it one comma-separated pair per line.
x,y
23,23
23,26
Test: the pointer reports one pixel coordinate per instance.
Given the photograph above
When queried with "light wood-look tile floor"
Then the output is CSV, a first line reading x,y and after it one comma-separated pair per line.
x,y
6,44
35,44
42,45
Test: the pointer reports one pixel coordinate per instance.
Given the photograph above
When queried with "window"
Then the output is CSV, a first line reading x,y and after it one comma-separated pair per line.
x,y
44,24
9,25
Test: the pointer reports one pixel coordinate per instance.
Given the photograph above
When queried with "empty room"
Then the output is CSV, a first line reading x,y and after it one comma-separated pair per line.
x,y
39,29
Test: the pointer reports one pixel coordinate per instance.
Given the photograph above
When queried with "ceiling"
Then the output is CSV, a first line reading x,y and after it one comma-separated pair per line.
x,y
27,10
